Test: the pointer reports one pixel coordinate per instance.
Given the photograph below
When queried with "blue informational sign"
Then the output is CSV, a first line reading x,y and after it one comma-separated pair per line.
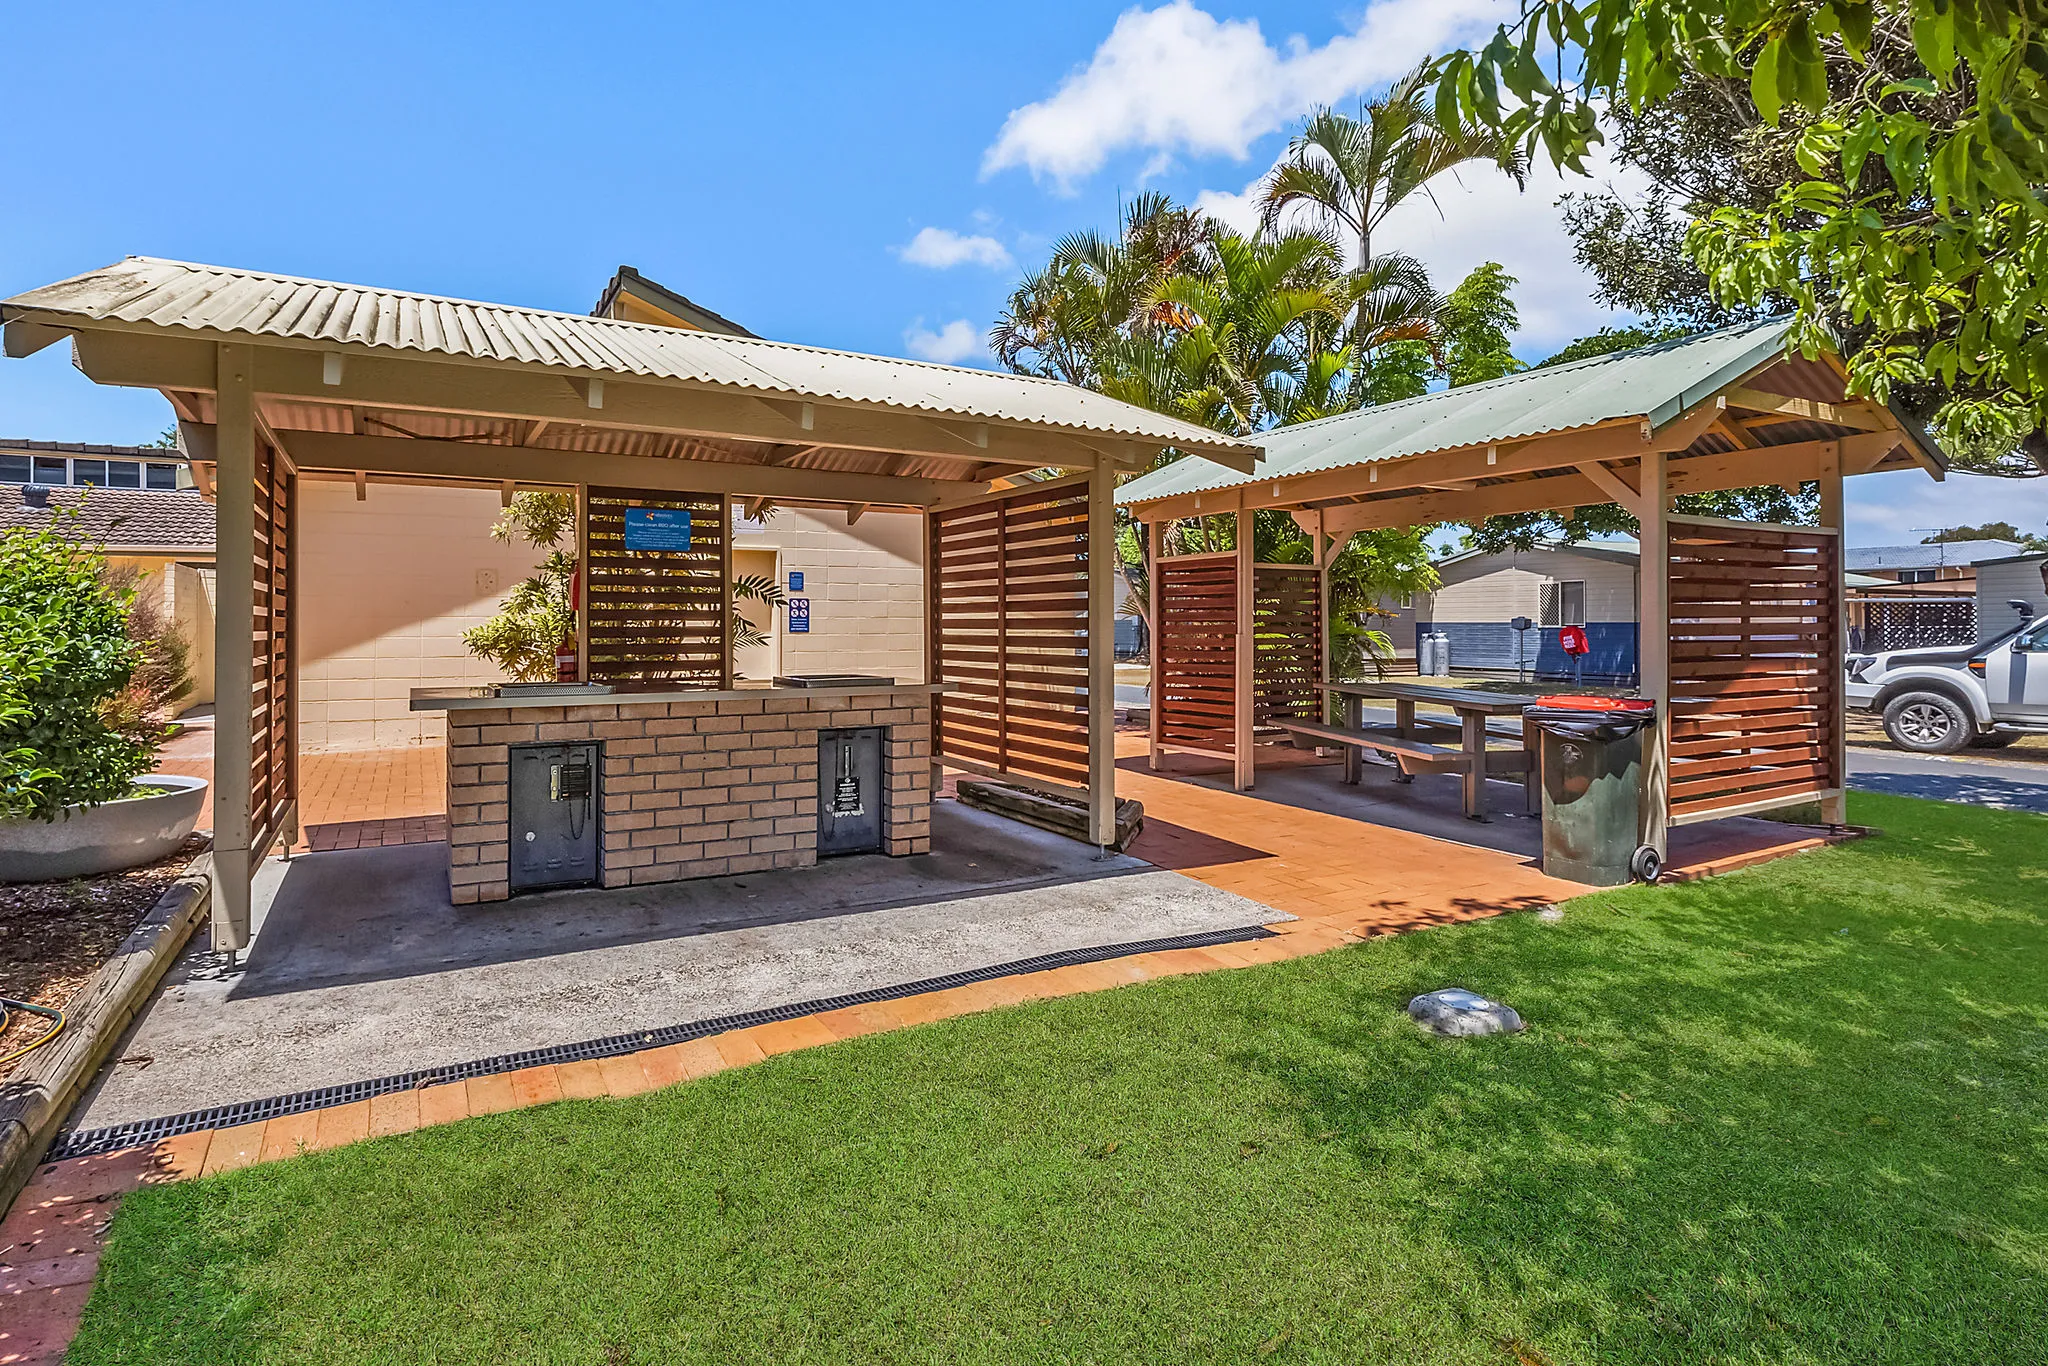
x,y
796,580
799,616
657,528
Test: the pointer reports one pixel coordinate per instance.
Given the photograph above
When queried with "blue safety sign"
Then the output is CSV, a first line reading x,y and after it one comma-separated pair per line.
x,y
796,580
657,528
799,616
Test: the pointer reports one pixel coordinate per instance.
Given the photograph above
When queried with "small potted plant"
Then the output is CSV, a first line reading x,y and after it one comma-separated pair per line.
x,y
75,743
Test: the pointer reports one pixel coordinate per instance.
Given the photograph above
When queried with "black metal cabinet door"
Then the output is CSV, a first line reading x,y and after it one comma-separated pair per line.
x,y
850,796
553,805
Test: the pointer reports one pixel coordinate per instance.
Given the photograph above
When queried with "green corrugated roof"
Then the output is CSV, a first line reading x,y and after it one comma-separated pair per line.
x,y
1657,382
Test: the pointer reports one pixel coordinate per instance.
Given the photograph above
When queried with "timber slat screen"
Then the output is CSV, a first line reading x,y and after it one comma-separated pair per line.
x,y
656,619
1009,624
273,691
1756,666
1287,659
1194,667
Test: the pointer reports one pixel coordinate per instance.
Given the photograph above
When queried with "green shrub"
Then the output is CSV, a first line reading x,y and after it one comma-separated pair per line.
x,y
65,658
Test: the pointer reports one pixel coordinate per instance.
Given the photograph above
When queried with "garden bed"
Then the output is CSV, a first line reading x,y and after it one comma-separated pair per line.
x,y
55,935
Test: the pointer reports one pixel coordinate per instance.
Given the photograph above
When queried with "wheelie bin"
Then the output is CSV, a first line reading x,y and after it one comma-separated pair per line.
x,y
1591,763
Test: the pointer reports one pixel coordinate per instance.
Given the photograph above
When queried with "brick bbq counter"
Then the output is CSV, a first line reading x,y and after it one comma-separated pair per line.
x,y
691,784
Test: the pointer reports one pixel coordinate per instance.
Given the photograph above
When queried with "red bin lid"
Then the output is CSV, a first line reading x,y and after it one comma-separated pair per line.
x,y
1576,702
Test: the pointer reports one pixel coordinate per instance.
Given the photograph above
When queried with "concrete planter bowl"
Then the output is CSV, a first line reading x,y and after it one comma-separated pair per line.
x,y
86,840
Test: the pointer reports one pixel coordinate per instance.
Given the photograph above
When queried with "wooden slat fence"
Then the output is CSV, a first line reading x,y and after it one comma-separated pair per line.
x,y
1194,651
1756,666
1008,583
656,619
273,686
1287,660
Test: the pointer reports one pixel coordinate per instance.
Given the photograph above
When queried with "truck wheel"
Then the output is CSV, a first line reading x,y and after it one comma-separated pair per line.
x,y
1928,723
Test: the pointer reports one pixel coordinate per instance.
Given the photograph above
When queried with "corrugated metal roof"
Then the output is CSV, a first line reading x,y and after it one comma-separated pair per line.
x,y
1658,382
1933,556
215,299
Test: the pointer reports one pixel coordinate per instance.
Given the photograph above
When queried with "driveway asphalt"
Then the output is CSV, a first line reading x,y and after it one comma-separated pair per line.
x,y
2008,787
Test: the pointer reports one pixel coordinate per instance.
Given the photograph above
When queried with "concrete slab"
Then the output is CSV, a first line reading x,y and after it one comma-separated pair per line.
x,y
360,967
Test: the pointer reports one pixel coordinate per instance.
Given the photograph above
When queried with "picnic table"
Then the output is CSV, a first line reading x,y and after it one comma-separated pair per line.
x,y
1473,758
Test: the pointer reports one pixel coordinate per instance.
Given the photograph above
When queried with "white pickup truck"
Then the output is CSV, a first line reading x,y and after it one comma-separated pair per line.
x,y
1936,701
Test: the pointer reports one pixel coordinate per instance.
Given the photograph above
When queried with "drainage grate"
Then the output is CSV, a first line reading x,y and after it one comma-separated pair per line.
x,y
142,1132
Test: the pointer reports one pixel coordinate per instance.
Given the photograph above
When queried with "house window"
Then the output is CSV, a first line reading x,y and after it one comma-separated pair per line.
x,y
124,474
52,469
92,472
160,476
1919,575
1564,603
15,469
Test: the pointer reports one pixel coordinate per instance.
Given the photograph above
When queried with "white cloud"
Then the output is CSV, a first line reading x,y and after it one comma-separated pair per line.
x,y
942,249
1477,216
1176,80
954,342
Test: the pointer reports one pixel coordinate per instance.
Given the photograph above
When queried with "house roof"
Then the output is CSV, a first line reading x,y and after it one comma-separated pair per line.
x,y
217,300
11,445
170,521
1620,550
631,282
1930,556
1657,382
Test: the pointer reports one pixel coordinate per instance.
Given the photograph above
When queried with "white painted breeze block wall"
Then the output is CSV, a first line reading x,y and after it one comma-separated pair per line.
x,y
388,585
865,584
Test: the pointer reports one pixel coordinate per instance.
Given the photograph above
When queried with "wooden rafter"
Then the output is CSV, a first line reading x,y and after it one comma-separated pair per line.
x,y
1863,417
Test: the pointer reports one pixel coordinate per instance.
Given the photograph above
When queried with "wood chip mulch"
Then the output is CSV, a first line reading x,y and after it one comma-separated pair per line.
x,y
55,935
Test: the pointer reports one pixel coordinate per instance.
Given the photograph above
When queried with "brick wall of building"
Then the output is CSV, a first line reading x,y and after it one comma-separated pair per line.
x,y
687,789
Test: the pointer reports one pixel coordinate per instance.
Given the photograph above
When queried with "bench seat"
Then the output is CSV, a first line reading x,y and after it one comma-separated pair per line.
x,y
1415,755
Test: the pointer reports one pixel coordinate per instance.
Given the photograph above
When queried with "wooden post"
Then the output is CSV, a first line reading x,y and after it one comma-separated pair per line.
x,y
1155,539
1834,809
1653,647
583,674
1003,633
928,549
1102,576
234,658
290,663
1245,694
725,603
1325,624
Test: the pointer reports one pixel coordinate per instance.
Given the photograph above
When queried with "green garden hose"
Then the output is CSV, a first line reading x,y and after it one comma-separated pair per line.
x,y
7,1009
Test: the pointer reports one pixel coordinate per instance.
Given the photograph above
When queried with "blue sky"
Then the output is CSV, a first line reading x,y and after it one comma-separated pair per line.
x,y
835,174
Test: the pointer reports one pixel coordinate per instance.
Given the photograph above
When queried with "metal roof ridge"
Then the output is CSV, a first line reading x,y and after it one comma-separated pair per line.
x,y
1532,372
651,329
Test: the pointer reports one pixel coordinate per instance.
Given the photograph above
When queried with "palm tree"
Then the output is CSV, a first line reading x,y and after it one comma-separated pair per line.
x,y
1255,333
1095,288
1350,173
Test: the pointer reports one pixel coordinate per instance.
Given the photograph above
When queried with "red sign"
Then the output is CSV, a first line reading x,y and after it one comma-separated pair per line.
x,y
1573,639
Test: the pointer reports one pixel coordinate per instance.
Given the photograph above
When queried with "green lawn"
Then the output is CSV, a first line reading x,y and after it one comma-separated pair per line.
x,y
1796,1114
